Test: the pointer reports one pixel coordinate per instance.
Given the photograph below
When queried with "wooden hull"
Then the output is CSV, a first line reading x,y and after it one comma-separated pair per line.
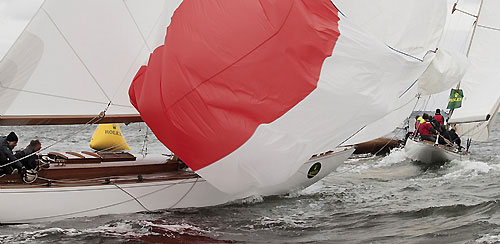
x,y
426,152
27,203
379,146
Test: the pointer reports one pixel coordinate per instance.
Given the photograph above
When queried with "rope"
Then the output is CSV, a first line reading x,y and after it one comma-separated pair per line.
x,y
448,142
137,200
185,194
89,123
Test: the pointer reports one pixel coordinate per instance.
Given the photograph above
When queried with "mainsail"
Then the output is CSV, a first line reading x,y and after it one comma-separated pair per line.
x,y
76,59
244,92
481,81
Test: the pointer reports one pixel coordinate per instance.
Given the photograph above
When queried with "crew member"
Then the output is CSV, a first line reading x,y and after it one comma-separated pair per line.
x,y
29,162
426,130
7,144
439,117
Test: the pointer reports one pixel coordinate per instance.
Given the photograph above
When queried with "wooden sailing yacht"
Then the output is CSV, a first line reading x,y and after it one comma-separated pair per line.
x,y
245,105
480,107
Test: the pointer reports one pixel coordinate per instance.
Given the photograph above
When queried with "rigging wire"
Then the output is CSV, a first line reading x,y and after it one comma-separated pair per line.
x,y
144,149
84,127
76,53
400,128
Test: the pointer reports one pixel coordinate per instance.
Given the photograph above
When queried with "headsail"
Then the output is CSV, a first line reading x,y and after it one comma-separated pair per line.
x,y
412,28
248,91
480,83
67,65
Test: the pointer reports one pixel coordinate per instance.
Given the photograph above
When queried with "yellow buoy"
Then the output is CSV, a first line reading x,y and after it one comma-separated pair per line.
x,y
108,137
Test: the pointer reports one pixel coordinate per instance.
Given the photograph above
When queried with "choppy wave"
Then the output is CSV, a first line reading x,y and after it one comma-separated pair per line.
x,y
467,169
367,200
119,231
488,239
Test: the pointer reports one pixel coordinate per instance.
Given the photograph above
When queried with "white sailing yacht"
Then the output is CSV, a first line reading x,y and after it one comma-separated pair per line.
x,y
241,91
480,106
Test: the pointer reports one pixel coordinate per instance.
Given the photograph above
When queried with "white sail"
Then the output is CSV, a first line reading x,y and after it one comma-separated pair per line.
x,y
76,57
481,82
446,69
393,21
412,27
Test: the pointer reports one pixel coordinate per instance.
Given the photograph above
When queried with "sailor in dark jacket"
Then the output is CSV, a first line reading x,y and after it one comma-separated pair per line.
x,y
29,162
7,144
444,136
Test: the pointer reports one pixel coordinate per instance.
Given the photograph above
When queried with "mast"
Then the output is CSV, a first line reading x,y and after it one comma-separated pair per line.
x,y
471,39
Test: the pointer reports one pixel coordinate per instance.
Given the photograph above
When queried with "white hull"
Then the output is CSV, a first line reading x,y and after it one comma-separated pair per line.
x,y
42,203
430,154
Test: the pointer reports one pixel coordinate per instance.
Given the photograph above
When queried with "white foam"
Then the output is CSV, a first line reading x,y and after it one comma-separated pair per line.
x,y
486,239
285,222
29,236
469,169
358,165
252,199
118,229
396,155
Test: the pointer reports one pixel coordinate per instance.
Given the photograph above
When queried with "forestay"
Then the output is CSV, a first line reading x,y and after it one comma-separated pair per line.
x,y
481,82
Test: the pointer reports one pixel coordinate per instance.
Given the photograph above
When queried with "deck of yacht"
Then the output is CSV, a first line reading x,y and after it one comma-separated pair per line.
x,y
84,169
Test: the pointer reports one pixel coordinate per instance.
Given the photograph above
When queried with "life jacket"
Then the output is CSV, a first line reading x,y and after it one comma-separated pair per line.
x,y
418,122
439,118
425,129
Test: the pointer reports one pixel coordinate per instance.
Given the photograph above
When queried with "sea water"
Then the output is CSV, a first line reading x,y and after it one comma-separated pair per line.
x,y
367,200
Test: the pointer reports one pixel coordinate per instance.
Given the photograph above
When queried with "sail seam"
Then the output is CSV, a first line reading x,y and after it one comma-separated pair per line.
x,y
78,56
